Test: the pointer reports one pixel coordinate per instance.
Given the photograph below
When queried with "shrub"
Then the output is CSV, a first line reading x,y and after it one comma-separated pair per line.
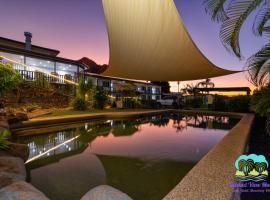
x,y
196,102
9,78
239,104
100,98
78,104
220,103
4,144
260,102
131,102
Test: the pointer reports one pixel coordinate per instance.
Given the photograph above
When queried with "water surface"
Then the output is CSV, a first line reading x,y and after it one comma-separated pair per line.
x,y
144,157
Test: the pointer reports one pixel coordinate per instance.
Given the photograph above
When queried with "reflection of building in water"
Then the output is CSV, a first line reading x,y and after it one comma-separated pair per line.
x,y
78,138
40,144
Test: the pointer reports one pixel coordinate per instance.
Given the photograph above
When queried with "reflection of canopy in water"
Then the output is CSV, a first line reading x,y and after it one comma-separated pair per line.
x,y
136,177
148,41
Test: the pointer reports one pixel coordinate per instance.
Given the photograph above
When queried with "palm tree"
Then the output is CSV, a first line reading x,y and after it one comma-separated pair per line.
x,y
246,166
232,14
205,84
190,89
260,167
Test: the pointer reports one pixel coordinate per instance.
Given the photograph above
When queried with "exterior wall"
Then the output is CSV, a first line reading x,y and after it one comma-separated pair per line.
x,y
145,91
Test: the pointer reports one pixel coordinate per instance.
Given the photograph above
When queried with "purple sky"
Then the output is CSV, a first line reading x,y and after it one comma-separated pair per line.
x,y
77,29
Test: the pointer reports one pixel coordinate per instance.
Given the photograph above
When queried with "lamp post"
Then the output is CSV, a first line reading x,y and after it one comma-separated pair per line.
x,y
178,83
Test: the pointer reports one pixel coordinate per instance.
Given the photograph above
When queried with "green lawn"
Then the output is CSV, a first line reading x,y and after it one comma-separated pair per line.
x,y
72,112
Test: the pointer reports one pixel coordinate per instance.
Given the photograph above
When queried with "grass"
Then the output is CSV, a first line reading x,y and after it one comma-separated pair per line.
x,y
73,112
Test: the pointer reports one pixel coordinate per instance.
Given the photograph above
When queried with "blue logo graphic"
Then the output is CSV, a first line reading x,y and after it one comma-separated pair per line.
x,y
251,167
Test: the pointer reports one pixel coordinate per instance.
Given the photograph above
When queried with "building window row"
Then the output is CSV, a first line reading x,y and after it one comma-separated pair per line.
x,y
48,66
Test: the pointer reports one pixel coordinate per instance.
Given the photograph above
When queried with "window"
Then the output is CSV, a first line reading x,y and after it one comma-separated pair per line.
x,y
15,57
106,84
153,90
66,69
43,65
18,58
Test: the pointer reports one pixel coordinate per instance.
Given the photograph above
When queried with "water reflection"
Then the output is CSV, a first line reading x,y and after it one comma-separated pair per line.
x,y
124,153
88,132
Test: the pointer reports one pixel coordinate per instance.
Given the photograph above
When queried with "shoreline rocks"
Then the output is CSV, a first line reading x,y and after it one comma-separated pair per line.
x,y
105,192
16,150
11,169
21,190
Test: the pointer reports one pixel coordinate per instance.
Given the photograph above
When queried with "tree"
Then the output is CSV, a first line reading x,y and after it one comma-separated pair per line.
x,y
260,103
246,166
85,87
165,86
205,84
9,79
232,19
100,98
190,89
260,167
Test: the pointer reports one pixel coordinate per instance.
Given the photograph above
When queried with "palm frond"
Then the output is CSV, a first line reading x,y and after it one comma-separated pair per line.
x,y
237,13
261,19
259,67
215,8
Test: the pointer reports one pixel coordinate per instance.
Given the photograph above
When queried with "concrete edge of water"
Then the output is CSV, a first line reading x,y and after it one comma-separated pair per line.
x,y
51,121
211,177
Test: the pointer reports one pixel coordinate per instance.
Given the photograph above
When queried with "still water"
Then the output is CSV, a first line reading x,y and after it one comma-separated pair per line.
x,y
143,157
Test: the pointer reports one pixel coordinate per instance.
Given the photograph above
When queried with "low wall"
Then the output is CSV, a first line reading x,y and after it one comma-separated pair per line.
x,y
52,121
211,177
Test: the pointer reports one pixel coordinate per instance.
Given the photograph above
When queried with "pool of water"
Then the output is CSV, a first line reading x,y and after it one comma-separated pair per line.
x,y
143,157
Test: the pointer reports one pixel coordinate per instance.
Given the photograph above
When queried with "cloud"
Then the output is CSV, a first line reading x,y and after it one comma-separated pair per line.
x,y
254,157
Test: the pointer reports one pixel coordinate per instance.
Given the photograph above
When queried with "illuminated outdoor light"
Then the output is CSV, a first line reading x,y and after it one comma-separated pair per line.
x,y
39,70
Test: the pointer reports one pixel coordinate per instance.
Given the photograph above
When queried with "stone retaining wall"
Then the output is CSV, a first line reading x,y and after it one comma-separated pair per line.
x,y
13,173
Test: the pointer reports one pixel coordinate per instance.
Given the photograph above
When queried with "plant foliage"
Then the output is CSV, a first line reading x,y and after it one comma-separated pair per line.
x,y
85,86
9,78
237,12
100,98
4,145
78,104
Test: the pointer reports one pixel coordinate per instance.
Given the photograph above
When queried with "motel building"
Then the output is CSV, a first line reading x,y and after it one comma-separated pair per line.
x,y
31,60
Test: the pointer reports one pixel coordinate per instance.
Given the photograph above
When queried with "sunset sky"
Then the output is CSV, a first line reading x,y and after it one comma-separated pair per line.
x,y
78,29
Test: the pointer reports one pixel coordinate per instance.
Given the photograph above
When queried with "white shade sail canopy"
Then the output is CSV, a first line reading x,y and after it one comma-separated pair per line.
x,y
148,41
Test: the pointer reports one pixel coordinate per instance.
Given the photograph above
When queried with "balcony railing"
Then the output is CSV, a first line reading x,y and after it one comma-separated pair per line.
x,y
55,78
